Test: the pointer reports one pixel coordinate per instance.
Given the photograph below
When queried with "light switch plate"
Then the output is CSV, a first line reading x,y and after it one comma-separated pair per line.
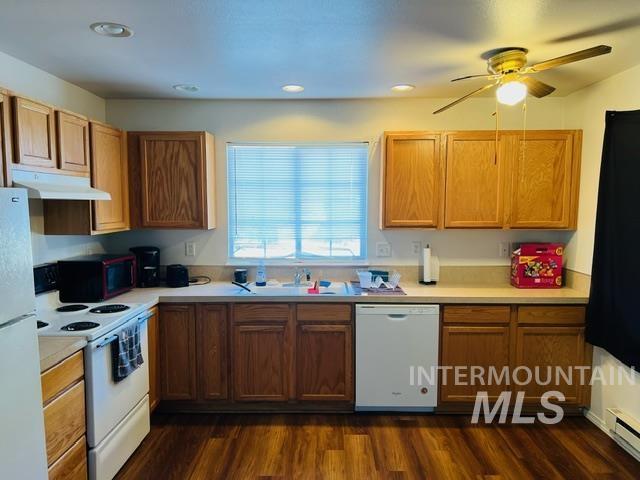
x,y
383,249
190,249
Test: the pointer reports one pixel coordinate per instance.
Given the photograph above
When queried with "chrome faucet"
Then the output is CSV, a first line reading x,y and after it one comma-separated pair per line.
x,y
300,273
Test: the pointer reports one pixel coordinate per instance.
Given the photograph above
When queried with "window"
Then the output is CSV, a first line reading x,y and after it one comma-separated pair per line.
x,y
298,201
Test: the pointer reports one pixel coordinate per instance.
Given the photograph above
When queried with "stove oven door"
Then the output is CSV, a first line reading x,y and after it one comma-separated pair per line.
x,y
109,402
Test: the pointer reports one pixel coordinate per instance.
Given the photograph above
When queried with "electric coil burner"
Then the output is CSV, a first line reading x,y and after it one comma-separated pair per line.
x,y
77,326
42,324
112,308
71,308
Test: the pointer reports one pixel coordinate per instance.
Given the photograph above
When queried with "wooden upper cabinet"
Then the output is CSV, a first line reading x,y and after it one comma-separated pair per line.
x,y
5,140
412,180
109,172
474,181
173,175
73,142
35,134
545,179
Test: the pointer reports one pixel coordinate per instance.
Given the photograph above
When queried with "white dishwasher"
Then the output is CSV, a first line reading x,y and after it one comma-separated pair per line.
x,y
397,357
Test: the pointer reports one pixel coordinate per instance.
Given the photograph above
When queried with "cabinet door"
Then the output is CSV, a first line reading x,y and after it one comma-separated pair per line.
x,y
34,133
178,352
474,192
5,140
545,179
546,348
261,362
468,346
412,180
73,143
173,180
324,363
211,328
153,335
109,172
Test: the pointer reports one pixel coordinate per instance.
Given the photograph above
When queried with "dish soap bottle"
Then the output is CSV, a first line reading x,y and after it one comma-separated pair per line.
x,y
261,275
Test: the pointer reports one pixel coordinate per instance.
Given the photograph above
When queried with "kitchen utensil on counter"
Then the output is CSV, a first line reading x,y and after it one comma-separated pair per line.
x,y
365,278
177,276
240,275
148,265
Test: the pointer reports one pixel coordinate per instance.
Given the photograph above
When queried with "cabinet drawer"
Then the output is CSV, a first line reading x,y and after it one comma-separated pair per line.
x,y
261,312
60,376
319,312
72,465
64,422
552,315
477,314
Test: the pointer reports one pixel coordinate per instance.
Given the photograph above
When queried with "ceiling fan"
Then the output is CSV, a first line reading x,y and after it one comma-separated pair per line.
x,y
509,72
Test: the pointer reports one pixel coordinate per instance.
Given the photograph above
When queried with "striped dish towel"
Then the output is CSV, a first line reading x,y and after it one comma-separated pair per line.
x,y
126,353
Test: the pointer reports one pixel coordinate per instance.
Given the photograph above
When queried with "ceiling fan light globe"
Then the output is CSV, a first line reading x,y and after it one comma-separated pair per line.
x,y
511,93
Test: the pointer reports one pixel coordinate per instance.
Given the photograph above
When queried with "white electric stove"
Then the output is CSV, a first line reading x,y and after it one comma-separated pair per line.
x,y
117,411
88,320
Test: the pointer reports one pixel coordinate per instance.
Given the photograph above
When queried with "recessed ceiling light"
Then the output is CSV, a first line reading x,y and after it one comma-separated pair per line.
x,y
110,29
293,88
186,87
403,87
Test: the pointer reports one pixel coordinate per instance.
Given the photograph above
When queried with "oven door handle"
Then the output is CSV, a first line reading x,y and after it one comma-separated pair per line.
x,y
107,341
144,318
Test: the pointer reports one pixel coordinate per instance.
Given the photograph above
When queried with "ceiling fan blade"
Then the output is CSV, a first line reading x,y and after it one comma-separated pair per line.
x,y
536,87
570,58
461,99
484,75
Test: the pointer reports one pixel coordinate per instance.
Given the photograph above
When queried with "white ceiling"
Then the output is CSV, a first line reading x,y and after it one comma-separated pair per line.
x,y
335,48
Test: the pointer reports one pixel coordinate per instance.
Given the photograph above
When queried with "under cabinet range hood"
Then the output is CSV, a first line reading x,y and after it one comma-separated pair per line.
x,y
51,186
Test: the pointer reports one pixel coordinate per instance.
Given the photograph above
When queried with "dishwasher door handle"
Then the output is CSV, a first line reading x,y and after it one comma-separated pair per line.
x,y
397,316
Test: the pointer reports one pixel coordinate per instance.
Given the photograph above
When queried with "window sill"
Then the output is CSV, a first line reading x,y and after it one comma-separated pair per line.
x,y
249,262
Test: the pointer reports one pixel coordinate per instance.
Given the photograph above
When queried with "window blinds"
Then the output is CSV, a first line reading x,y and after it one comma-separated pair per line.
x,y
297,201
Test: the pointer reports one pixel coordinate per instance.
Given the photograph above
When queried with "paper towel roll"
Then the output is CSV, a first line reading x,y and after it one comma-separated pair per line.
x,y
426,264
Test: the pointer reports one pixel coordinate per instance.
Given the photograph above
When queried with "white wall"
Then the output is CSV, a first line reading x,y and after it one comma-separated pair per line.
x,y
586,109
30,81
329,120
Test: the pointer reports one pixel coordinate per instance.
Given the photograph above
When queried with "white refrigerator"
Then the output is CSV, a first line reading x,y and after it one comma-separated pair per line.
x,y
22,439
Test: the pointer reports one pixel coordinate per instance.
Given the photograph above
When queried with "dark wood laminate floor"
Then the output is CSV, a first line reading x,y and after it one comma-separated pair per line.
x,y
303,446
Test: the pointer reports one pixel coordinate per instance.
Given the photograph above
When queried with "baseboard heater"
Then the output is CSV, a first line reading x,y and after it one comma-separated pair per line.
x,y
624,427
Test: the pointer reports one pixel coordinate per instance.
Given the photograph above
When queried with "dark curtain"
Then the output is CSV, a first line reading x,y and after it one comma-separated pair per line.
x,y
613,314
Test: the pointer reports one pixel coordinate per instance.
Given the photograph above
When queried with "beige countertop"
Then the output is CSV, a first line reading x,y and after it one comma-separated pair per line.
x,y
219,292
55,349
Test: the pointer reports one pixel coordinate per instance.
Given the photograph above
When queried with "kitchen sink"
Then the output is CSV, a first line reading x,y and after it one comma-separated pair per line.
x,y
290,289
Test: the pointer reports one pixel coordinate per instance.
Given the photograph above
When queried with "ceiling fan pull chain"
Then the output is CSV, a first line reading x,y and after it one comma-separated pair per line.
x,y
495,155
524,128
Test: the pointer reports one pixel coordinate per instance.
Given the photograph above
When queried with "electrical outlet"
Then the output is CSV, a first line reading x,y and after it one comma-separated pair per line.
x,y
416,247
190,249
383,249
504,249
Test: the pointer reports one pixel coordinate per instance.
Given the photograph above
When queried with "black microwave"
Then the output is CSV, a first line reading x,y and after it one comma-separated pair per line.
x,y
95,278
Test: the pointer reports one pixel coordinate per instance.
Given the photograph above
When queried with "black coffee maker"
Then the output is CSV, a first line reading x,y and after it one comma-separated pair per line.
x,y
148,265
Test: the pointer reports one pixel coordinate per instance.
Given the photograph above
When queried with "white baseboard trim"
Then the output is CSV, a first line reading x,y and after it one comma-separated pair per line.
x,y
600,423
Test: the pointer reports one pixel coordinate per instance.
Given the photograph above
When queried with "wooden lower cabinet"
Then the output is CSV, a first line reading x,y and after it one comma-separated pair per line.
x,y
466,346
178,352
545,337
545,348
73,464
324,363
261,362
217,356
212,340
64,419
153,336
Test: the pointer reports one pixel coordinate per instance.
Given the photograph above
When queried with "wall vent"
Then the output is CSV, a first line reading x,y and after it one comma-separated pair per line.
x,y
626,428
